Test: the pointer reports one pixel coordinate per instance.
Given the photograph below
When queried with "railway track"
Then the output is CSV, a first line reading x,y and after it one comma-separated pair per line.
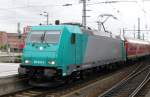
x,y
74,90
131,85
143,92
100,83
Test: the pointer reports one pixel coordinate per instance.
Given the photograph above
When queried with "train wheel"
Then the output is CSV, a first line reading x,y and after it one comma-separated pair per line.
x,y
68,79
83,75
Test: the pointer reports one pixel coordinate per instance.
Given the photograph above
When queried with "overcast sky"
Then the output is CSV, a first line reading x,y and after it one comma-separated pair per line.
x,y
27,13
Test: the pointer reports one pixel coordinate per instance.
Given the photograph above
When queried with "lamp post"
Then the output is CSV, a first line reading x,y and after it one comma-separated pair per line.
x,y
46,14
84,14
19,35
84,20
139,31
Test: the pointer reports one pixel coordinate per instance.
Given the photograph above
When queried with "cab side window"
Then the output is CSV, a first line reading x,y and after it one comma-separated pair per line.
x,y
73,38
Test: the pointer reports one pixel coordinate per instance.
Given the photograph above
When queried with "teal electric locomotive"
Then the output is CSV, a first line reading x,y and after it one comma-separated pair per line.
x,y
56,52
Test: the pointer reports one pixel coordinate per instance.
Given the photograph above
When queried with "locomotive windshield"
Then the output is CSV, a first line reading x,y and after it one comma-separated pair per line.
x,y
44,36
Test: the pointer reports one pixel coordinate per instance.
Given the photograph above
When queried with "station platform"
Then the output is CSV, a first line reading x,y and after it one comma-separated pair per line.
x,y
7,69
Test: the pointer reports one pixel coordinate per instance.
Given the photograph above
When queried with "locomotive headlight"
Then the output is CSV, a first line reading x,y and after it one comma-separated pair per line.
x,y
51,62
27,61
41,48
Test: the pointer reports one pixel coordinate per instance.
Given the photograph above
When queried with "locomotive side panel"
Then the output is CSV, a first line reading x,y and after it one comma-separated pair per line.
x,y
103,49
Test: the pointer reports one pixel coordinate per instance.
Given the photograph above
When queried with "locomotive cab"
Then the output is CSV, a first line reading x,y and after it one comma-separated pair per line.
x,y
41,50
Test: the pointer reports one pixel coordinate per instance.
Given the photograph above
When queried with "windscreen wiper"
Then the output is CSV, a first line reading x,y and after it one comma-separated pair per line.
x,y
43,37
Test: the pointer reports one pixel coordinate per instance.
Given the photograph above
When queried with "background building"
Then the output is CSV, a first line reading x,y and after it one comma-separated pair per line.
x,y
3,38
11,42
14,42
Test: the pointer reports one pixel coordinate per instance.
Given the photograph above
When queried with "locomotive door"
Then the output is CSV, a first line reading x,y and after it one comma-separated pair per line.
x,y
78,48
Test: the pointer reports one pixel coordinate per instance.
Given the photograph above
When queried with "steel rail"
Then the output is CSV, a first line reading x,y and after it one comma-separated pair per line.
x,y
88,90
141,85
38,93
62,91
123,82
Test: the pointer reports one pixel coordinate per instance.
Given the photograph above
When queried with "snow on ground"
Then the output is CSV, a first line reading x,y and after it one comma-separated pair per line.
x,y
7,69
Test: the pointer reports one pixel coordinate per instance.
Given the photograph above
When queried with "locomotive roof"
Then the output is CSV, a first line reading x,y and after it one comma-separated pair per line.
x,y
138,41
72,29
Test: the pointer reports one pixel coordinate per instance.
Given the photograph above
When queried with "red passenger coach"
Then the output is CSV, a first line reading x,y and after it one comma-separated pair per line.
x,y
136,48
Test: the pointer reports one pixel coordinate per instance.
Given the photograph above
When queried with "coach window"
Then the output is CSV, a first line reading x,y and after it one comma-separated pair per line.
x,y
73,38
